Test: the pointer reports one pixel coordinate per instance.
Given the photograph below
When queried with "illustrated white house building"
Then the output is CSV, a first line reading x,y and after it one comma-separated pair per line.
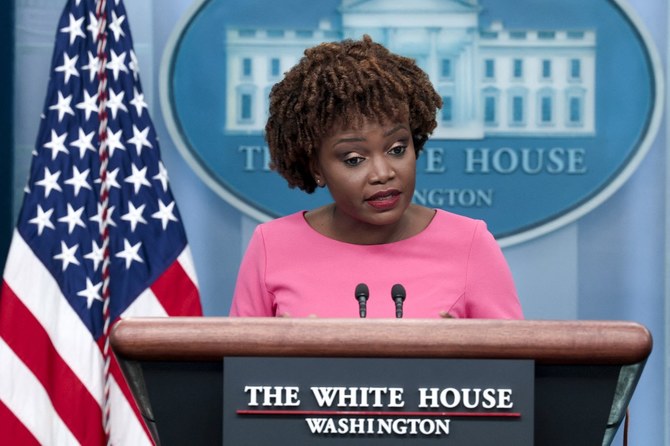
x,y
493,81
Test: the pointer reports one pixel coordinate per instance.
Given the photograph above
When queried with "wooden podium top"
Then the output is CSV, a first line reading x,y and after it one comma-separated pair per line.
x,y
548,342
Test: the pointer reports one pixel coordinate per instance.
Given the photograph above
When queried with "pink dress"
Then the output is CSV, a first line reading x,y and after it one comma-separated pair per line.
x,y
453,266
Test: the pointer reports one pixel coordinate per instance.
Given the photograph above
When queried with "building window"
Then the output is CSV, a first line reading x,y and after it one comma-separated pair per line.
x,y
446,69
546,69
575,69
489,69
517,68
447,109
304,33
545,104
247,33
491,101
546,35
275,67
246,108
490,110
245,104
575,110
517,109
575,107
247,67
517,106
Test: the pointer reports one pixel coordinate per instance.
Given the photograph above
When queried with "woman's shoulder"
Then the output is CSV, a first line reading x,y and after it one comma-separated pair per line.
x,y
283,226
449,219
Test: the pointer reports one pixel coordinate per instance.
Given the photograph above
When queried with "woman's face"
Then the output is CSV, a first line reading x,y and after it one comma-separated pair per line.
x,y
369,171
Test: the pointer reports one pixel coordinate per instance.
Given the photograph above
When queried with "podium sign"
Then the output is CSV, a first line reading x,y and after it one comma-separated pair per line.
x,y
337,401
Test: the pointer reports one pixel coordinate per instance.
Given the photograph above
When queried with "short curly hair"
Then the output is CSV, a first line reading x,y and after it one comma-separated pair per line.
x,y
344,83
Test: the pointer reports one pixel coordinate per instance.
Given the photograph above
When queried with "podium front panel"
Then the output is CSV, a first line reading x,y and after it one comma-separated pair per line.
x,y
585,371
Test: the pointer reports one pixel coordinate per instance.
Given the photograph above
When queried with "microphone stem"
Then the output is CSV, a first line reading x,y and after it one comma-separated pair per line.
x,y
398,308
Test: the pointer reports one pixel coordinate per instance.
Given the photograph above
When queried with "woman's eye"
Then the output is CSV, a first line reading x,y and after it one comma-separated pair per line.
x,y
353,161
398,150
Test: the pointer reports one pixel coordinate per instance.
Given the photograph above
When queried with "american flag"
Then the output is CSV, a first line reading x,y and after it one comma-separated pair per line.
x,y
99,238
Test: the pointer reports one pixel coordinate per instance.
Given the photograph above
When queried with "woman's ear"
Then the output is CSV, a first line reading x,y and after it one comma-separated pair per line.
x,y
316,174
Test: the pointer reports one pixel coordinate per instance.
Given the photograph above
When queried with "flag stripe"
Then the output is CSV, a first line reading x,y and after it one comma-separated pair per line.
x,y
11,427
130,430
146,305
37,353
175,282
25,397
185,259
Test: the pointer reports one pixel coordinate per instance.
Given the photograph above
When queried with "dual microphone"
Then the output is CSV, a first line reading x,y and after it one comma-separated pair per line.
x,y
362,293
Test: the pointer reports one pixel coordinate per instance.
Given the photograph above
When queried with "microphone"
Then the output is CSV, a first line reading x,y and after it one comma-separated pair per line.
x,y
362,293
398,295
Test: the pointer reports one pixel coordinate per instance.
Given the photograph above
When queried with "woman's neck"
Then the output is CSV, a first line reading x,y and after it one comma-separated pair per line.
x,y
332,224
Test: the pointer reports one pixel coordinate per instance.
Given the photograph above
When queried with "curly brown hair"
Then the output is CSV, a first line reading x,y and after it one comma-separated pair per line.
x,y
344,83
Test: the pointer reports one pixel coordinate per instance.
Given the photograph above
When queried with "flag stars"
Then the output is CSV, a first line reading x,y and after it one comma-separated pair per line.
x,y
78,180
49,182
115,102
69,67
84,142
115,25
138,101
42,220
63,106
130,253
96,255
114,141
74,28
93,26
89,104
165,213
162,175
117,63
67,255
134,215
92,67
56,144
111,179
97,218
72,218
140,139
138,177
91,293
134,64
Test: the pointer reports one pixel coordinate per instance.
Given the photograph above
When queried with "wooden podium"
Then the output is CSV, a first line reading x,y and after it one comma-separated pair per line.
x,y
585,371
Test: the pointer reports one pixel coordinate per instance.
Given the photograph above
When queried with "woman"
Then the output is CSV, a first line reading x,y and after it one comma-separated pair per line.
x,y
353,117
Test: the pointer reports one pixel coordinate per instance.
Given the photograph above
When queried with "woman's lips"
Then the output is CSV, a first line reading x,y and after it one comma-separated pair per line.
x,y
383,200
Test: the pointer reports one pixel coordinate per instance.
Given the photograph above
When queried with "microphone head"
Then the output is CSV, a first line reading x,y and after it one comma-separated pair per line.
x,y
362,291
398,292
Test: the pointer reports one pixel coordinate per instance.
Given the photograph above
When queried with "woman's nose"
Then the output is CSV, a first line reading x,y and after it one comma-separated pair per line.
x,y
382,171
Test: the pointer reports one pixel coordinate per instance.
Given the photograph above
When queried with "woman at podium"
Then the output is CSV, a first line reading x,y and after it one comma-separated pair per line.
x,y
353,117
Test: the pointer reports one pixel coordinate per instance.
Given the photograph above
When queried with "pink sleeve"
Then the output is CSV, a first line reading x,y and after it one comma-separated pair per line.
x,y
251,297
490,292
